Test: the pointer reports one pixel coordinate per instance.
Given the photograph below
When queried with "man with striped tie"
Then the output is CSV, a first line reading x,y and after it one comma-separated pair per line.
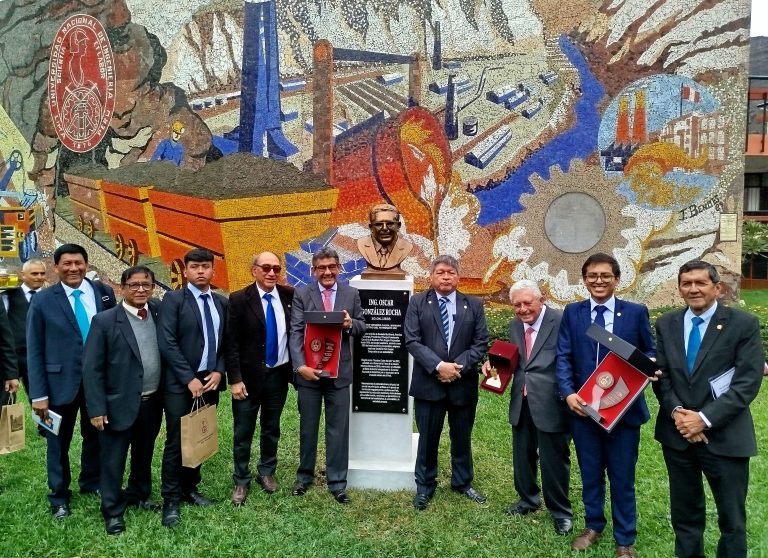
x,y
446,334
58,322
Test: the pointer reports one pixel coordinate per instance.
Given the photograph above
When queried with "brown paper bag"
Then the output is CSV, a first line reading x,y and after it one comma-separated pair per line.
x,y
199,435
11,427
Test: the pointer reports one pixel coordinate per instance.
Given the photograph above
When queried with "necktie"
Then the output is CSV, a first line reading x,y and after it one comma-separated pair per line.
x,y
271,341
444,317
31,294
599,318
694,342
211,360
327,301
529,341
142,313
81,316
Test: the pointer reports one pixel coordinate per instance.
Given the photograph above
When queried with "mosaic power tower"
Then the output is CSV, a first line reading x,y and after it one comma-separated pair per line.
x,y
260,130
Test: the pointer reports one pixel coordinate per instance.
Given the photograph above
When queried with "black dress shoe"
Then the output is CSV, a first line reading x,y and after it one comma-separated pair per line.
x,y
61,511
299,488
171,514
472,494
197,499
114,525
520,509
146,505
421,501
341,496
563,525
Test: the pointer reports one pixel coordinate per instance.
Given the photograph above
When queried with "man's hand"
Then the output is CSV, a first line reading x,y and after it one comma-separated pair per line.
x,y
486,368
99,422
448,371
40,408
575,404
656,376
688,423
238,391
11,386
309,374
195,387
347,320
212,381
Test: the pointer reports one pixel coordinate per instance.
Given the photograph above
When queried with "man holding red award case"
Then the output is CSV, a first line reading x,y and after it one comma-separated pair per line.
x,y
711,358
599,451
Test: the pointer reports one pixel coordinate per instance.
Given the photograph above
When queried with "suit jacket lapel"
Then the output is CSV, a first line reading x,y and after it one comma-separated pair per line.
x,y
254,301
96,296
541,336
286,306
316,297
461,312
434,307
716,325
62,299
677,343
585,316
190,300
121,317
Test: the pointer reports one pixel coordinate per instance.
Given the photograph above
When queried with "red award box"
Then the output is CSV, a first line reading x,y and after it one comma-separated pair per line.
x,y
503,357
322,341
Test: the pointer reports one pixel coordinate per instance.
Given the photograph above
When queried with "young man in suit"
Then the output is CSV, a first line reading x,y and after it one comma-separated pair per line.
x,y
711,358
598,451
58,322
324,294
446,334
191,340
16,302
258,370
122,377
539,418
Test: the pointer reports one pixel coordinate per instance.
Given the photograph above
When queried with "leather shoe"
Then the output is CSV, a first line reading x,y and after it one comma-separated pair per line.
x,y
146,505
472,494
197,499
267,483
61,511
171,514
114,525
421,501
341,496
299,488
239,494
585,539
563,525
520,509
625,551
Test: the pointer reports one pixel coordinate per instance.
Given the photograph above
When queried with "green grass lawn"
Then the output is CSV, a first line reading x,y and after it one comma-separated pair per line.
x,y
374,524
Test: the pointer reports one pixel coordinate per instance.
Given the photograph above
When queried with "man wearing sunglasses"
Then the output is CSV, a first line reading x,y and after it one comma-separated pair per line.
x,y
325,294
122,373
258,370
384,249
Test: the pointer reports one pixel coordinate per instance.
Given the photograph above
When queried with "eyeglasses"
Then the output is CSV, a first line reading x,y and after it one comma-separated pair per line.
x,y
324,268
604,277
266,268
134,287
385,225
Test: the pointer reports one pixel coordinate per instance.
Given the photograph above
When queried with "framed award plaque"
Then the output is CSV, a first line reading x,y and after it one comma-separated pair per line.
x,y
322,341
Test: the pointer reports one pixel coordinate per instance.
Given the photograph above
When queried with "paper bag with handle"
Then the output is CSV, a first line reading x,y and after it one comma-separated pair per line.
x,y
11,426
199,434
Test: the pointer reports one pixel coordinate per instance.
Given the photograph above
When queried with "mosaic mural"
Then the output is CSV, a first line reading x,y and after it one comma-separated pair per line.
x,y
512,134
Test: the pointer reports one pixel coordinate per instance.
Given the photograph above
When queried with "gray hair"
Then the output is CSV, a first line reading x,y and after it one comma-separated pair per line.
x,y
30,263
446,260
255,260
525,285
323,253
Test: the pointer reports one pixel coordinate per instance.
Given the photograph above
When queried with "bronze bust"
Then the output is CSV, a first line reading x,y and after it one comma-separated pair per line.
x,y
384,249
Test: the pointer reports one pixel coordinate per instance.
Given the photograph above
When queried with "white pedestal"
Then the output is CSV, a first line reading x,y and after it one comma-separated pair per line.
x,y
382,446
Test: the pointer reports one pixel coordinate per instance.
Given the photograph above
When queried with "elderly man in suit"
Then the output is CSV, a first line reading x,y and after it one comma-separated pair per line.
x,y
446,334
191,340
325,293
258,370
58,322
16,302
598,451
539,418
711,358
122,376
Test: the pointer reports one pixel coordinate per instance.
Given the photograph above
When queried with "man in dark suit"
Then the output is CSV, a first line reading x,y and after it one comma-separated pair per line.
x,y
258,370
16,302
711,358
324,293
539,418
9,371
598,451
190,335
122,377
57,325
446,334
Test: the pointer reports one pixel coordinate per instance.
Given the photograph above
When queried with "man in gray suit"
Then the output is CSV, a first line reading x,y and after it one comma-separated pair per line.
x,y
324,293
445,332
539,418
711,358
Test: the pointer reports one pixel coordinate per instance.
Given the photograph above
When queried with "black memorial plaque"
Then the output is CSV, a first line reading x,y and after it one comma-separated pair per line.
x,y
380,382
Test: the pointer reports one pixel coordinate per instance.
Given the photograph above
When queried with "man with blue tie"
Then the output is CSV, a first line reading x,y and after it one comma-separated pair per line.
x,y
58,322
598,451
190,336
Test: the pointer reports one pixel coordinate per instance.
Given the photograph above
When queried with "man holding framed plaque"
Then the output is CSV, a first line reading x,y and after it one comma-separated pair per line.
x,y
600,452
712,359
314,385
